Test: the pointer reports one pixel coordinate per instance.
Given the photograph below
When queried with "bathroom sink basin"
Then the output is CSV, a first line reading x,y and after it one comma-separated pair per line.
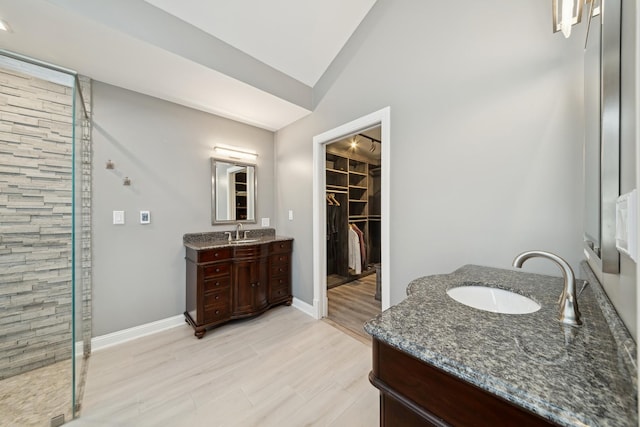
x,y
241,241
493,299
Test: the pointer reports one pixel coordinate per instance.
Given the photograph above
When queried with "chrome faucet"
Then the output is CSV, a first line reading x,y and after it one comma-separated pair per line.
x,y
238,227
569,313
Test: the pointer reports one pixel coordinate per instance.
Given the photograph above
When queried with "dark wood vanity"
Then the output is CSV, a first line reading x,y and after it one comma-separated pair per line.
x,y
413,393
229,282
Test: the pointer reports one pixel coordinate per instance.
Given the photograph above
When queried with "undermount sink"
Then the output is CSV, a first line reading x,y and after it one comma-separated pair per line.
x,y
238,242
493,299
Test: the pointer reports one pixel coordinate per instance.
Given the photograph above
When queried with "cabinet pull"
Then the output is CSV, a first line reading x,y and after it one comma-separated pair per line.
x,y
215,254
217,311
217,296
217,270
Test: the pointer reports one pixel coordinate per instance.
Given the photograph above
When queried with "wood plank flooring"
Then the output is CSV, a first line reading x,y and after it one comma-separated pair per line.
x,y
352,304
279,369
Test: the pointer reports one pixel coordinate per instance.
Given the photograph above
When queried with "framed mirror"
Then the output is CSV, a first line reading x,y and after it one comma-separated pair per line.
x,y
602,137
233,192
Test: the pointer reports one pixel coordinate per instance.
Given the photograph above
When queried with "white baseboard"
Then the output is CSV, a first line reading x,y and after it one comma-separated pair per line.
x,y
119,337
304,307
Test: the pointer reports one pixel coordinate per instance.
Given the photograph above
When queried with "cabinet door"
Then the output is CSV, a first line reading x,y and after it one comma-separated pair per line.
x,y
250,290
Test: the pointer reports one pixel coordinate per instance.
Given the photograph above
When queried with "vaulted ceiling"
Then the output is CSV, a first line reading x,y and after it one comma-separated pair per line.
x,y
254,61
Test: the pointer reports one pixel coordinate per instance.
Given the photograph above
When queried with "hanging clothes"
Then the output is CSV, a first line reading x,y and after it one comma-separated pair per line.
x,y
363,251
355,259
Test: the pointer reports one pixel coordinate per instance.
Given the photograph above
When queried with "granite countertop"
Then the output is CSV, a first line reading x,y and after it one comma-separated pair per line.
x,y
218,239
571,376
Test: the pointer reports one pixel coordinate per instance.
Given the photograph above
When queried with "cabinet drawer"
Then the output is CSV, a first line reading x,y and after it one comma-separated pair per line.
x,y
279,269
281,282
280,259
216,313
214,255
216,270
282,246
217,299
248,251
216,284
278,294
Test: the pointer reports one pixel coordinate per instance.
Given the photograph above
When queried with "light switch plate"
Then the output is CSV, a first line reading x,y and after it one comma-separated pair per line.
x,y
290,214
118,217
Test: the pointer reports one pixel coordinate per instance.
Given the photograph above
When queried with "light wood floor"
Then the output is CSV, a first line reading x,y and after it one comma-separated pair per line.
x,y
280,369
352,304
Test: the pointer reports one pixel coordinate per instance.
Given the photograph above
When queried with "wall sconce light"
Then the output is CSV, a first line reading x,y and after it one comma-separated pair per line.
x,y
110,164
235,153
126,181
567,13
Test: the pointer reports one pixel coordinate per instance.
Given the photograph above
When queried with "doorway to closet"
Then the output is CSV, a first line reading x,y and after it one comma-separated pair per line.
x,y
353,223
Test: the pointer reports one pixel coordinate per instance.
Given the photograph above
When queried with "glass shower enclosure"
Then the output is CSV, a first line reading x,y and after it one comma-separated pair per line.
x,y
45,241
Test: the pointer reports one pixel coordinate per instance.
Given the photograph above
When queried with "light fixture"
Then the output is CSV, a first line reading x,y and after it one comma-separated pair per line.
x,y
567,13
4,26
235,153
354,142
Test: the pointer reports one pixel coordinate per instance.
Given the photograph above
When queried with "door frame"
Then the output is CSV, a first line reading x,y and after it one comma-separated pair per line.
x,y
380,118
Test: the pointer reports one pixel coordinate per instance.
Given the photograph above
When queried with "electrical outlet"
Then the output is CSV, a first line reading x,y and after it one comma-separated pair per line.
x,y
265,222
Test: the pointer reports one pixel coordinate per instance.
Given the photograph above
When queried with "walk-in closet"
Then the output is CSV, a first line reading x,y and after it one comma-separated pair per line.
x,y
353,229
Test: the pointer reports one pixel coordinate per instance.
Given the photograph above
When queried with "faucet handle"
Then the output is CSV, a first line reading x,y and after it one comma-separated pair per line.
x,y
228,233
245,233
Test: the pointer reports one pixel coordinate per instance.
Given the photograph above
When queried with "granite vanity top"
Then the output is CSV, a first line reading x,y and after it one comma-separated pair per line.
x,y
217,239
571,376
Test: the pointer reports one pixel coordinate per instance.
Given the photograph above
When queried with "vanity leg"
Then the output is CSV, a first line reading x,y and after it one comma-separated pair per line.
x,y
200,334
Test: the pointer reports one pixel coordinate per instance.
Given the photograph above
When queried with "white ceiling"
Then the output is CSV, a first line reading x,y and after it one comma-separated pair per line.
x,y
131,44
298,37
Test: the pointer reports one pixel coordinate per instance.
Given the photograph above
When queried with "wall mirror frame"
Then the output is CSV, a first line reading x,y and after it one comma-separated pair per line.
x,y
233,191
602,140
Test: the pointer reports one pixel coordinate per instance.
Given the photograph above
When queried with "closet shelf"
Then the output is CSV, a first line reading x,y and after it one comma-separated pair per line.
x,y
359,187
337,171
337,188
357,173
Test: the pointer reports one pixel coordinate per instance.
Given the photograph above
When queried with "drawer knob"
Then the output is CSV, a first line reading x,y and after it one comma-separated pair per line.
x,y
215,254
217,311
217,270
217,296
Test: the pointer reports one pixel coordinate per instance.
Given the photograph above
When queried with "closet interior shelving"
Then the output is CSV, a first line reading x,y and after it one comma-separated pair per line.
x,y
354,182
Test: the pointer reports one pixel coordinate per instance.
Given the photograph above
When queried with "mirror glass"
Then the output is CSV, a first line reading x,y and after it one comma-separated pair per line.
x,y
233,191
602,137
592,136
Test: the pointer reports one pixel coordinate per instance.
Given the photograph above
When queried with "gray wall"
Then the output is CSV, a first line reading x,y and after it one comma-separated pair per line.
x,y
486,136
622,288
165,150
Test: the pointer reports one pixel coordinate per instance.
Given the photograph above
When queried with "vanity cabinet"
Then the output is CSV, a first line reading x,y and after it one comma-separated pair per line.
x,y
233,282
413,393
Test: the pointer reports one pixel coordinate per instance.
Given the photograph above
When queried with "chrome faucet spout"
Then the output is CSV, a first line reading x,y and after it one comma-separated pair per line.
x,y
569,313
238,227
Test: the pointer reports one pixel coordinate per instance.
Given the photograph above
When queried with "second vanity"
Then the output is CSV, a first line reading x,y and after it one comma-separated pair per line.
x,y
228,280
439,362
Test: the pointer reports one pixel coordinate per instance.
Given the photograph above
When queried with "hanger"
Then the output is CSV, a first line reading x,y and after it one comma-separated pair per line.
x,y
333,199
329,201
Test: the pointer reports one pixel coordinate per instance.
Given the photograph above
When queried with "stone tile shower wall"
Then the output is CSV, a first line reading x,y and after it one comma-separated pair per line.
x,y
86,254
36,125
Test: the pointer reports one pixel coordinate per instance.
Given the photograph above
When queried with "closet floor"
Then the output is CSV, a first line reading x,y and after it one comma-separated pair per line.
x,y
352,304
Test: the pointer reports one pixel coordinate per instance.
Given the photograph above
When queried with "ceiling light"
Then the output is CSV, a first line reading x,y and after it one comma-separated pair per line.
x,y
235,153
567,13
4,26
